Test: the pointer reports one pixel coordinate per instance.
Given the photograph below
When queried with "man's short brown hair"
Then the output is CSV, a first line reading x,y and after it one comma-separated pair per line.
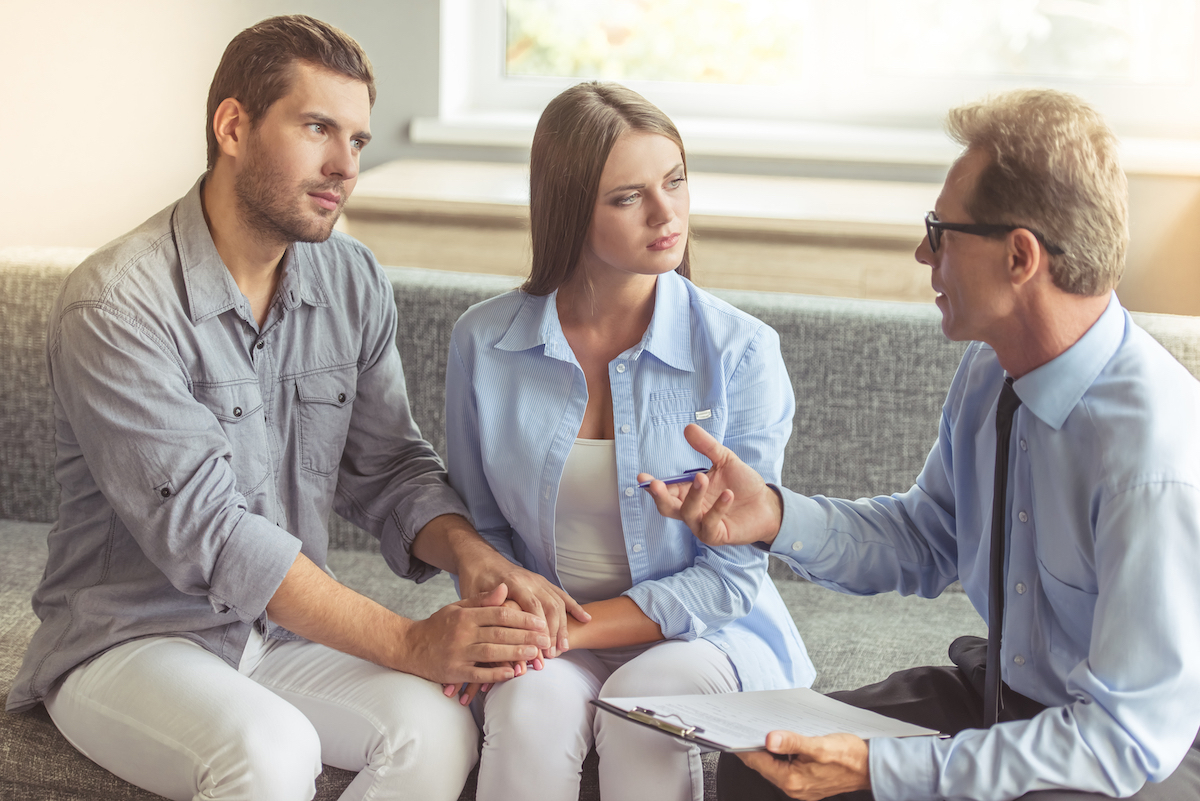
x,y
257,67
1055,167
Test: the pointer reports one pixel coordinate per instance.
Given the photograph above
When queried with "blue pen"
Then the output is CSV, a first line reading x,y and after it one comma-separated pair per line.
x,y
687,475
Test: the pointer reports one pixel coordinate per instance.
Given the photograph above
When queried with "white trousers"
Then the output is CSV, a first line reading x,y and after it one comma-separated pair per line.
x,y
539,727
169,716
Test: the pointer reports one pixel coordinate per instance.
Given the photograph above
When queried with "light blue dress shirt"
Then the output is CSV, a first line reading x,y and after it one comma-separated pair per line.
x,y
1102,601
515,398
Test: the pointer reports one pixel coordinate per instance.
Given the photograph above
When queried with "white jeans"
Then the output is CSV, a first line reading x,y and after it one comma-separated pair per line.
x,y
169,716
539,727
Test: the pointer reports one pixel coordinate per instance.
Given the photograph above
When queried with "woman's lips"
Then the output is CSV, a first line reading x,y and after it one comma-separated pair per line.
x,y
664,242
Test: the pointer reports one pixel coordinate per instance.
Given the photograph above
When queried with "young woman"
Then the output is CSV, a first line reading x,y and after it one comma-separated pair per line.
x,y
557,396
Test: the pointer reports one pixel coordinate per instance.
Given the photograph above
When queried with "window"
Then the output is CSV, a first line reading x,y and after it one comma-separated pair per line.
x,y
821,78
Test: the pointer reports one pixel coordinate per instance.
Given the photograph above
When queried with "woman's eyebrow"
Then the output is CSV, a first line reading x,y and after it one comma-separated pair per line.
x,y
627,187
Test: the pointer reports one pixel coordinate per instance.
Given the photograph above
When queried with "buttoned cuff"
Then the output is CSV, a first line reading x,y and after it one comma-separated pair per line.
x,y
902,768
251,566
802,533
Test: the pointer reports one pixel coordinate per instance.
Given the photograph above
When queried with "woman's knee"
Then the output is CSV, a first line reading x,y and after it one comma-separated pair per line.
x,y
673,668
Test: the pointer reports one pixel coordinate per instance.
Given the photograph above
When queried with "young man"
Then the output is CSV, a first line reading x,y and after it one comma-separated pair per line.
x,y
223,377
1079,543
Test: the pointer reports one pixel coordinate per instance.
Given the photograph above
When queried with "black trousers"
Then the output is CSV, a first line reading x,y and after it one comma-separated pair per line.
x,y
948,699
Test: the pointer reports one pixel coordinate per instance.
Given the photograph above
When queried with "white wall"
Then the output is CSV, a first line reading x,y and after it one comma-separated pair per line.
x,y
103,111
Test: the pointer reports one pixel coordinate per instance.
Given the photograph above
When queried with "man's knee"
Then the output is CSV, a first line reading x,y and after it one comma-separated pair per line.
x,y
420,728
276,758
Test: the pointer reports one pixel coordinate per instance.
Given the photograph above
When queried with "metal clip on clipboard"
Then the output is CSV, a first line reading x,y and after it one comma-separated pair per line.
x,y
651,718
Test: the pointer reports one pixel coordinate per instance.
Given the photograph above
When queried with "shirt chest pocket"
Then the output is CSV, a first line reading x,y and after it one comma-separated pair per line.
x,y
326,401
678,407
239,410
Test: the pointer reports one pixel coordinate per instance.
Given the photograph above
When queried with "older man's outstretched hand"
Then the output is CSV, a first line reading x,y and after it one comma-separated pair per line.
x,y
731,505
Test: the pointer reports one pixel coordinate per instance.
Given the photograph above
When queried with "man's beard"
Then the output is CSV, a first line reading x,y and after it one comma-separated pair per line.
x,y
268,203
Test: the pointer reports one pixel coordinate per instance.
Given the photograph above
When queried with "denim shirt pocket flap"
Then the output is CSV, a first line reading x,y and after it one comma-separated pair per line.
x,y
230,403
335,387
238,408
326,402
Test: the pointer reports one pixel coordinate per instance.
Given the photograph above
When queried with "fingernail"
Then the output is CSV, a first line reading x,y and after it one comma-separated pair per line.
x,y
464,700
772,741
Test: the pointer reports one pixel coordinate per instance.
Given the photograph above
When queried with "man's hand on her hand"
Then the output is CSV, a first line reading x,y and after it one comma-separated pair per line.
x,y
453,644
533,593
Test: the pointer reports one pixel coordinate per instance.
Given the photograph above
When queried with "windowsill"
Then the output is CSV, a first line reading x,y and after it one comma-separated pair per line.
x,y
800,141
873,213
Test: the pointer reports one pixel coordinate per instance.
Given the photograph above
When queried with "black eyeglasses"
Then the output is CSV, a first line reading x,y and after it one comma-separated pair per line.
x,y
934,228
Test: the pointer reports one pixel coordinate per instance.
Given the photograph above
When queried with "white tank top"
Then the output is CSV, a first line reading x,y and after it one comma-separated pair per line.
x,y
588,538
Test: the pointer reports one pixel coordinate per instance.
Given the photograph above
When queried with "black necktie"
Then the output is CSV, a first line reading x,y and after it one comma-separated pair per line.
x,y
1005,410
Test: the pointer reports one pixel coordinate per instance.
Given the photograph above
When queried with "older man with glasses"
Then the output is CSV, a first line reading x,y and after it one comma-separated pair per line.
x,y
1063,491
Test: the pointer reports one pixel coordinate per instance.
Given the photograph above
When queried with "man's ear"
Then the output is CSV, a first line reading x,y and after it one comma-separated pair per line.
x,y
231,124
1025,256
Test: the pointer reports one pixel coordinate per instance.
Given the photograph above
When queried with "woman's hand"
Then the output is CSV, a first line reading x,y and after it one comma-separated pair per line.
x,y
532,593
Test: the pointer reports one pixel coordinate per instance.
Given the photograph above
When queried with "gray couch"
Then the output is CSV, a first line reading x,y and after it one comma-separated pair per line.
x,y
869,380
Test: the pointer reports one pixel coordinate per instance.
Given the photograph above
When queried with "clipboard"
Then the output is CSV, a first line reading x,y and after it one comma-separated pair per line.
x,y
740,721
680,730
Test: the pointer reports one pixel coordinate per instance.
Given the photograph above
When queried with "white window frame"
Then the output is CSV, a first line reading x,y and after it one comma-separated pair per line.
x,y
860,120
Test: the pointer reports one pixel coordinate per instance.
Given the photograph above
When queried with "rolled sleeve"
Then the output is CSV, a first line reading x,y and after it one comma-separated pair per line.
x,y
251,566
720,587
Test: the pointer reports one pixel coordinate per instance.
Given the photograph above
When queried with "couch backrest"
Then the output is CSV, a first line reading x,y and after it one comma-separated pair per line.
x,y
869,377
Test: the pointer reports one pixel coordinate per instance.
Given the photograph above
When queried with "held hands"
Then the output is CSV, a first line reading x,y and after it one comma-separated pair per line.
x,y
533,593
817,767
474,640
470,690
731,505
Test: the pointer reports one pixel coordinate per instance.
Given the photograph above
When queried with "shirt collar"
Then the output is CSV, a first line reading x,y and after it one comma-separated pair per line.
x,y
1054,389
668,338
210,288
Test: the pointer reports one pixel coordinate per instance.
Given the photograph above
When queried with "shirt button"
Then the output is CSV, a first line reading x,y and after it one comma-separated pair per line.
x,y
259,346
1024,518
1024,445
637,548
1019,660
237,411
620,368
625,429
1020,588
341,397
797,546
165,492
628,492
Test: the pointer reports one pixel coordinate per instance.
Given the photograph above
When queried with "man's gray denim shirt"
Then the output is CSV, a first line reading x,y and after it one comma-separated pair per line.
x,y
198,453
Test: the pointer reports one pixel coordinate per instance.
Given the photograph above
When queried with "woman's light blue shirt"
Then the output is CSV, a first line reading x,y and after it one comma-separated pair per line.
x,y
515,398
